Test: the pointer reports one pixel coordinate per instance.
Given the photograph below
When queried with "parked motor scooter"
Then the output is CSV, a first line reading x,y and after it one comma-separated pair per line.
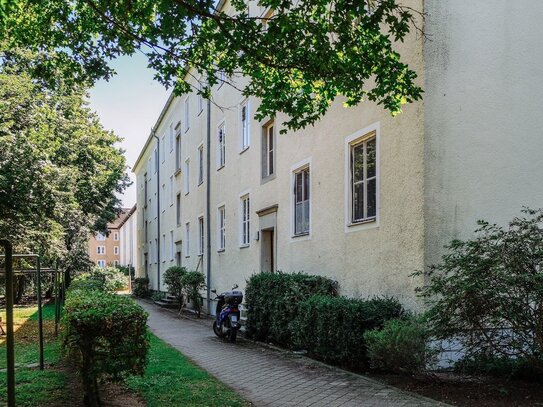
x,y
227,315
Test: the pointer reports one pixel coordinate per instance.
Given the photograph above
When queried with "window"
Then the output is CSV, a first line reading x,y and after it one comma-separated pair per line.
x,y
163,203
221,225
221,146
178,147
150,252
170,133
155,157
172,246
301,201
163,248
162,149
115,249
244,218
171,190
244,125
101,263
178,209
116,236
156,253
200,164
221,77
268,152
100,249
187,176
187,239
266,19
363,180
115,263
145,189
200,235
187,114
100,237
145,228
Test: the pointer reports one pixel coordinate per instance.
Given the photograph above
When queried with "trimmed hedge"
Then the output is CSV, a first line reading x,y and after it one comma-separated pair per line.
x,y
272,303
141,287
332,329
106,337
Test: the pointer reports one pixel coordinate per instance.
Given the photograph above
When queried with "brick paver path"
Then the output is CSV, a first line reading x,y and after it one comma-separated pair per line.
x,y
267,377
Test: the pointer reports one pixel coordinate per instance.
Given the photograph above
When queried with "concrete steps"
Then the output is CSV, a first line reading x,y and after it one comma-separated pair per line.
x,y
168,302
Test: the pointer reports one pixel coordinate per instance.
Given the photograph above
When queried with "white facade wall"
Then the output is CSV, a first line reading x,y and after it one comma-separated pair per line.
x,y
483,121
128,243
370,259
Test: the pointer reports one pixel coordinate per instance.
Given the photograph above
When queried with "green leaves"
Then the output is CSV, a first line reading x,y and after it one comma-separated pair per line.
x,y
297,59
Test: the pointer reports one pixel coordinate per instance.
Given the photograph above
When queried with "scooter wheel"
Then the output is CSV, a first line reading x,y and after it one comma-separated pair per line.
x,y
217,330
233,335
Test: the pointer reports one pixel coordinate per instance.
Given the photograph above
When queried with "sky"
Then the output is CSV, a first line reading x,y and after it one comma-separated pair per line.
x,y
129,104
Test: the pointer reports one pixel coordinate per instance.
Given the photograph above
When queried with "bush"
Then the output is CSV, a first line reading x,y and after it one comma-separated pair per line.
x,y
108,278
173,278
141,287
192,283
490,365
106,336
332,328
272,303
402,346
487,292
87,281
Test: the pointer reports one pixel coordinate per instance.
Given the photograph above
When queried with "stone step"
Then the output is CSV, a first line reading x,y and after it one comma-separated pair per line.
x,y
167,304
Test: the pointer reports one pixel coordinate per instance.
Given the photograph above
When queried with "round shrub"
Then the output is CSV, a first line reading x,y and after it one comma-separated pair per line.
x,y
106,337
173,278
141,287
401,346
193,282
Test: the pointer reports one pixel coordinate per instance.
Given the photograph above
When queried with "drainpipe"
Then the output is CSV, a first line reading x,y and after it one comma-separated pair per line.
x,y
208,205
157,158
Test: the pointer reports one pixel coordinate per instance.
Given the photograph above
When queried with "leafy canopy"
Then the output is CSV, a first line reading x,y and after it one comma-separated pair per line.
x,y
297,58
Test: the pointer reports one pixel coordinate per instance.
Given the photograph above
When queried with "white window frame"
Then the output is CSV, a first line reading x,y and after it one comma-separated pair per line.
x,y
100,237
187,239
245,126
115,263
186,182
116,250
100,249
373,130
201,163
101,263
266,150
221,145
163,202
115,236
171,136
186,108
221,78
156,250
163,248
201,235
172,246
178,209
200,97
244,219
221,227
171,190
296,168
178,147
162,148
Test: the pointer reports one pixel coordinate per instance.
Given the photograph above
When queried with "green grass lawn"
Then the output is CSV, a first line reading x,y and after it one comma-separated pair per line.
x,y
172,380
33,387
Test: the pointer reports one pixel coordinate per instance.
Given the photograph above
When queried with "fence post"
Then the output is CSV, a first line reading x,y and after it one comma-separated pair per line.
x,y
10,340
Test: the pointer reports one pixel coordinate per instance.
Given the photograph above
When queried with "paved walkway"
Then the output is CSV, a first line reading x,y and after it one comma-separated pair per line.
x,y
268,377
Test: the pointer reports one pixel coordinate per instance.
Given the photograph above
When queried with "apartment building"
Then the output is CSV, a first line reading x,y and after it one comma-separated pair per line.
x,y
105,250
127,233
362,197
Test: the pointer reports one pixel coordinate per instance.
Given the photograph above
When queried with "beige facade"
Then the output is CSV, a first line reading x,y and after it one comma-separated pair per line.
x,y
304,216
105,250
127,234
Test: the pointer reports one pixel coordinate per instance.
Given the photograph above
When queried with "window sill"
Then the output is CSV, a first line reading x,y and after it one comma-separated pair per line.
x,y
186,193
220,168
220,250
266,179
187,257
177,172
244,149
187,129
244,246
200,112
200,183
363,222
305,234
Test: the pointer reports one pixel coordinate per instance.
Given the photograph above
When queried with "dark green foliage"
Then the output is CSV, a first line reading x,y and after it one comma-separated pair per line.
x,y
173,278
401,346
487,292
141,287
272,303
332,329
193,282
296,61
489,365
106,336
106,279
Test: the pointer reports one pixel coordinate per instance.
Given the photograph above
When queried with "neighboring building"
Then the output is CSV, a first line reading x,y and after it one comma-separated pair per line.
x,y
127,231
361,197
106,250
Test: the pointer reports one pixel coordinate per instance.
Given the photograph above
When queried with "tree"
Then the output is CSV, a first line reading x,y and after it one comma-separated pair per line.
x,y
297,59
59,169
487,292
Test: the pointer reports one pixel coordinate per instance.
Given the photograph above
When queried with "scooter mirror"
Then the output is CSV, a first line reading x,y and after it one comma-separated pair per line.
x,y
214,291
234,286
